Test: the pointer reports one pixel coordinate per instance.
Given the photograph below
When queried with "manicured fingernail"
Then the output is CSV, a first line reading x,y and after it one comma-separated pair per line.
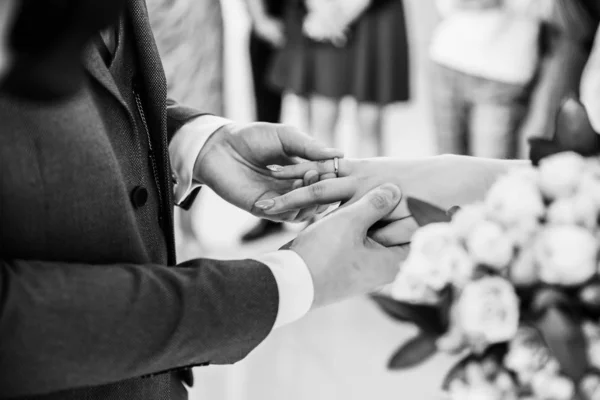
x,y
275,168
265,204
393,190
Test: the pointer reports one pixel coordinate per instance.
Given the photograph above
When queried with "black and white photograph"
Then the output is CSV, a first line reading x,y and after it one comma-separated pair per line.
x,y
300,199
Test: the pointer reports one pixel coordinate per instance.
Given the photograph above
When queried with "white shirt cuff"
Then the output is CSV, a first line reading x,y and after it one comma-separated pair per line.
x,y
294,282
184,149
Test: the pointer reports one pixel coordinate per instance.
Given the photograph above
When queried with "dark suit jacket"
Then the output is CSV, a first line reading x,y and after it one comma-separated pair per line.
x,y
87,309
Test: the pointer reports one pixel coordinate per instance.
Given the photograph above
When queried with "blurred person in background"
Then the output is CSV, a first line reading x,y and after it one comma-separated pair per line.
x,y
267,35
566,42
190,39
339,48
485,55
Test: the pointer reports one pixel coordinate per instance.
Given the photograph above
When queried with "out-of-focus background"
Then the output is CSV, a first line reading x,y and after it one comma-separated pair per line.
x,y
413,78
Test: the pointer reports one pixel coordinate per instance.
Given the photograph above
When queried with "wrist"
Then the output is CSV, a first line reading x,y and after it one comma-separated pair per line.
x,y
215,147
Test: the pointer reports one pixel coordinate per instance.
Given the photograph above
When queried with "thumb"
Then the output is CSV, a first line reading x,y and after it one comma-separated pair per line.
x,y
298,144
374,206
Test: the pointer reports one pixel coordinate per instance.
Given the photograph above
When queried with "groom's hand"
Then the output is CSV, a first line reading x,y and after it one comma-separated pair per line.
x,y
234,164
342,259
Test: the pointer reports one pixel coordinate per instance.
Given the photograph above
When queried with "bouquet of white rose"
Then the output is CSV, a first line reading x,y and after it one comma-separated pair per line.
x,y
512,282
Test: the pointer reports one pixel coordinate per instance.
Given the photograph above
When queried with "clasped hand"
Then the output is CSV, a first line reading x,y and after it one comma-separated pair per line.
x,y
341,256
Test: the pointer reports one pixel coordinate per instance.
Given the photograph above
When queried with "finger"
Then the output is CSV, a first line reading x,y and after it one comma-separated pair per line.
x,y
326,192
330,175
288,216
298,183
299,144
322,208
395,233
299,170
373,206
323,167
310,178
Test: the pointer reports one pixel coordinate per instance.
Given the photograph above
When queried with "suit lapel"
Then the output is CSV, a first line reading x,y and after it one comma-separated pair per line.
x,y
150,66
97,68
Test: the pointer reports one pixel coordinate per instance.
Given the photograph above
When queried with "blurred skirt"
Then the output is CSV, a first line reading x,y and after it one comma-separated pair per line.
x,y
373,66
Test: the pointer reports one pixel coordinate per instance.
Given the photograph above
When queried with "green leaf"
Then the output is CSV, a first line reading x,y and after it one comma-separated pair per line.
x,y
564,337
425,213
456,372
495,352
427,317
414,352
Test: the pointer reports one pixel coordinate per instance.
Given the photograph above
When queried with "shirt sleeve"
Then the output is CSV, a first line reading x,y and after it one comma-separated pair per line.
x,y
184,149
294,282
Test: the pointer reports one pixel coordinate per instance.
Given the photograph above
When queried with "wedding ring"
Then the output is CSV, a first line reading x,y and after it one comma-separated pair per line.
x,y
336,166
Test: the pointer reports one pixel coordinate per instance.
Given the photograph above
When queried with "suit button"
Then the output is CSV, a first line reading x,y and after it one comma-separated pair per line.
x,y
139,196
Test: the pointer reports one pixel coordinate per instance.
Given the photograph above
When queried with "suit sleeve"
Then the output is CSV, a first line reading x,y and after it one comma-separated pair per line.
x,y
68,325
178,115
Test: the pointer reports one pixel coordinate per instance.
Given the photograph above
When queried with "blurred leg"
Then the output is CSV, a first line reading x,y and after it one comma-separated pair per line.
x,y
268,99
495,120
370,135
449,112
268,109
324,113
189,36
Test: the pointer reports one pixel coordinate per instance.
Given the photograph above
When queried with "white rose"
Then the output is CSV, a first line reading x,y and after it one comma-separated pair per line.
x,y
489,245
560,174
524,269
465,220
593,353
566,255
522,233
590,387
580,209
412,289
489,310
589,186
435,254
461,266
513,199
553,387
527,355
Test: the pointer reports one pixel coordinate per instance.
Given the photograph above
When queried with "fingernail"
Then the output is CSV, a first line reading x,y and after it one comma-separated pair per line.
x,y
265,204
393,190
275,168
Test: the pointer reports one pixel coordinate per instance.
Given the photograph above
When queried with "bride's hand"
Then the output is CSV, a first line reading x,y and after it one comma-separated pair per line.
x,y
355,178
445,181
